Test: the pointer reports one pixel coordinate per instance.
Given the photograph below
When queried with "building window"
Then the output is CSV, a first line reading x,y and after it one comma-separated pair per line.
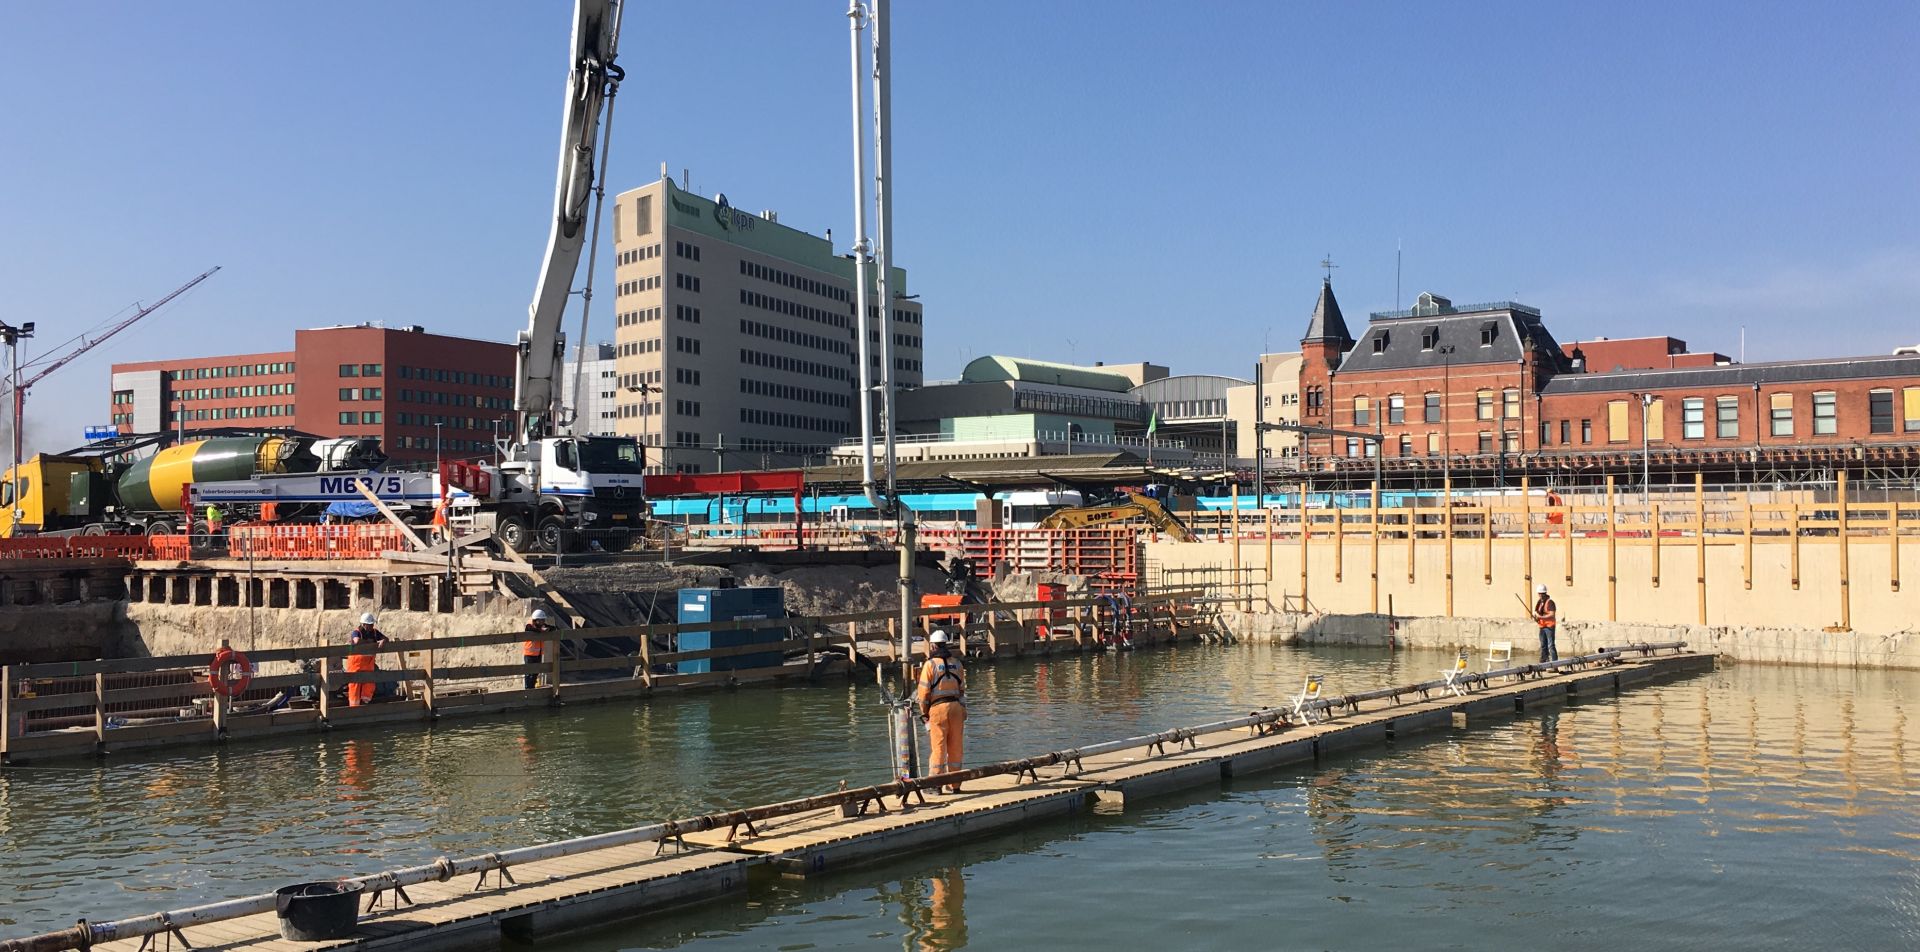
x,y
1510,441
349,370
369,370
1693,418
1396,409
1486,444
1726,417
1483,405
1380,343
1510,404
1362,411
1433,408
1546,433
1406,445
1880,411
1617,429
1353,446
1910,408
349,417
1566,432
1656,419
1826,414
1780,412
1429,338
1315,398
370,416
348,393
1433,443
1487,333
369,393
1586,431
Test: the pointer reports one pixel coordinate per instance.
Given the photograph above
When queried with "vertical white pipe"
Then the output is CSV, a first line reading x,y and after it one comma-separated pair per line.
x,y
856,19
883,247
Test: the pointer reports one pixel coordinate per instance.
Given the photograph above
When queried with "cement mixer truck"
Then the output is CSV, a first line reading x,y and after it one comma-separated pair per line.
x,y
102,488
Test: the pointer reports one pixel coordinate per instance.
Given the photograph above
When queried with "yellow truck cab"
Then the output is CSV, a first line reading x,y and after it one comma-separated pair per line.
x,y
41,493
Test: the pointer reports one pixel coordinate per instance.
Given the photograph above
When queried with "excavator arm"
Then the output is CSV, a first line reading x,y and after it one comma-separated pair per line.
x,y
596,34
1130,506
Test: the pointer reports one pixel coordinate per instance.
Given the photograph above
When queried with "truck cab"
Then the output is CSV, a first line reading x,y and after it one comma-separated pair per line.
x,y
41,493
573,491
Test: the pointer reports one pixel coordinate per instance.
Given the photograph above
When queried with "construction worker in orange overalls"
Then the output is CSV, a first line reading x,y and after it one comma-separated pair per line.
x,y
1556,519
1547,615
943,705
532,648
368,639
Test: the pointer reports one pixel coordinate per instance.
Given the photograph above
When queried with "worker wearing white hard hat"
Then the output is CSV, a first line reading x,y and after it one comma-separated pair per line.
x,y
1546,614
369,639
942,697
533,650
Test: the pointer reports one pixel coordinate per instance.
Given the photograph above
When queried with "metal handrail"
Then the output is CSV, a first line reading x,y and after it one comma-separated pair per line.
x,y
86,934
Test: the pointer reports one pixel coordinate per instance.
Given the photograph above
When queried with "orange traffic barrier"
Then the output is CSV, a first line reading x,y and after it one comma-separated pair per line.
x,y
76,547
296,542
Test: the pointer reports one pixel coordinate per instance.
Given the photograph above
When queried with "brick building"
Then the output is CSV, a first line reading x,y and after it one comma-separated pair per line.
x,y
1487,386
391,384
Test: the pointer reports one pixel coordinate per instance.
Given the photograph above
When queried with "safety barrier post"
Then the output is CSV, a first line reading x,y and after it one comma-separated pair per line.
x,y
1446,529
1306,530
1893,541
1746,544
428,689
1846,579
1339,545
1653,539
1700,544
1613,563
1793,534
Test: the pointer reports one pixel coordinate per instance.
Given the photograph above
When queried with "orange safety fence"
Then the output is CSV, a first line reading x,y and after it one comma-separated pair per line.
x,y
172,547
358,541
76,547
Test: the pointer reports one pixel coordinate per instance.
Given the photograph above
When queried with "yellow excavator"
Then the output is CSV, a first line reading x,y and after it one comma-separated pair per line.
x,y
1126,507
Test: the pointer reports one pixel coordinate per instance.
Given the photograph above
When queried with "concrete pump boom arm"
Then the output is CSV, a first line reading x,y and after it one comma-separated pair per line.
x,y
596,33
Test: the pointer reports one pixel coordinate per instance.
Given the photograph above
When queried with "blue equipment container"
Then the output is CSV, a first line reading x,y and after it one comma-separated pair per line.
x,y
731,604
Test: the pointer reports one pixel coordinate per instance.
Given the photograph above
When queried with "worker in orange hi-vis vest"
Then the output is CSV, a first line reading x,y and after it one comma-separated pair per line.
x,y
1547,615
366,639
1556,519
943,704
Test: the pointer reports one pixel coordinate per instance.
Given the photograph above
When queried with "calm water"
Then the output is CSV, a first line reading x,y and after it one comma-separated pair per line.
x,y
1764,807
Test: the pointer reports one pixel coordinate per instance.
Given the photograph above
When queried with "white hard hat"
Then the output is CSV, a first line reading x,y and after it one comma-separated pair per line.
x,y
366,618
539,614
1540,589
940,637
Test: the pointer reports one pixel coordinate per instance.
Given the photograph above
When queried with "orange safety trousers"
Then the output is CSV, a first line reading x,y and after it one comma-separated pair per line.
x,y
358,694
945,735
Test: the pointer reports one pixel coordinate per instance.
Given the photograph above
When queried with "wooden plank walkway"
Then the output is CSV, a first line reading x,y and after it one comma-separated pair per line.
x,y
604,886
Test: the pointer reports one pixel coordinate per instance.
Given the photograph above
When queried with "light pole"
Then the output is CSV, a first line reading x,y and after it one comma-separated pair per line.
x,y
12,335
1646,459
1446,426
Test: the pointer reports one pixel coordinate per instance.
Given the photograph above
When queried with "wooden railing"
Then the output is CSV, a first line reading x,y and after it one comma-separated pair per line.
x,y
87,694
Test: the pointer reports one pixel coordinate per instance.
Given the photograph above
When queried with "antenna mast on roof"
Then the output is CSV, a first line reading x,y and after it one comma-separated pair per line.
x,y
1396,273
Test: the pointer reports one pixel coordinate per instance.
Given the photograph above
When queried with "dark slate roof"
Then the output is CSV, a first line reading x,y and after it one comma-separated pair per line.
x,y
1515,331
1735,375
1327,323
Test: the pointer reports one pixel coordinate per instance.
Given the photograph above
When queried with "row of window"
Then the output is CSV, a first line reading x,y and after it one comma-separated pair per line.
x,y
462,377
219,393
637,255
789,336
637,285
433,419
642,316
796,282
1408,446
1887,412
907,340
686,375
791,365
651,408
359,370
231,370
1183,409
686,282
361,416
686,345
906,364
634,348
687,407
230,413
444,399
767,302
793,421
1048,401
687,250
446,445
781,391
905,316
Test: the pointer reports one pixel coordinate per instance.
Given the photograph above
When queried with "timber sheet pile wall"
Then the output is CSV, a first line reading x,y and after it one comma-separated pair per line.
x,y
1109,557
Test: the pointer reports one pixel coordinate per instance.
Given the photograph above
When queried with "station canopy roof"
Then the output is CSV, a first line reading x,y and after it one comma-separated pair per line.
x,y
993,368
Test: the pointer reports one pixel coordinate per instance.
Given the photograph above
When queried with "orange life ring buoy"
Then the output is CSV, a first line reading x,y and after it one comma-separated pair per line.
x,y
216,673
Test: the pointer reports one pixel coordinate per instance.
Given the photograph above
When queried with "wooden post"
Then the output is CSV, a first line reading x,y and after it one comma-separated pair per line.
x,y
552,650
1746,542
853,648
1846,578
1893,541
1374,527
1306,530
1269,513
219,701
1412,533
646,660
100,709
431,648
1653,539
1613,551
1566,535
1526,534
1486,541
1793,533
6,713
1700,545
810,659
1446,529
326,688
1339,543
1233,496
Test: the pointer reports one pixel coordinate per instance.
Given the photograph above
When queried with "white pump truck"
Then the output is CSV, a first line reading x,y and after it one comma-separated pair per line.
x,y
556,491
552,491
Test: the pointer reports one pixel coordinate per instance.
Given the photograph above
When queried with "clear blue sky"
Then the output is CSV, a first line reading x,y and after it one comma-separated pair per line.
x,y
1075,181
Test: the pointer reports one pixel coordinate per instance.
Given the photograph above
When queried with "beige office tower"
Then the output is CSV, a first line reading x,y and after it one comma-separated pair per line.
x,y
734,336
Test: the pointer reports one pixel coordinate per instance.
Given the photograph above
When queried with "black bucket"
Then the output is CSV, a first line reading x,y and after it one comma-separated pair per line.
x,y
313,912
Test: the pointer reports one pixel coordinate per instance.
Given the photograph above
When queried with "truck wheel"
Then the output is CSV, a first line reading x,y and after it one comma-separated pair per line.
x,y
161,527
555,536
515,532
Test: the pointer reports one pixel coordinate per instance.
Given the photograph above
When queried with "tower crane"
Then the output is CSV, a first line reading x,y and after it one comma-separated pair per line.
x,y
20,387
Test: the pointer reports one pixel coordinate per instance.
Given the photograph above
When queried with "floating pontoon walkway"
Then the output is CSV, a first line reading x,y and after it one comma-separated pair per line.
x,y
595,881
